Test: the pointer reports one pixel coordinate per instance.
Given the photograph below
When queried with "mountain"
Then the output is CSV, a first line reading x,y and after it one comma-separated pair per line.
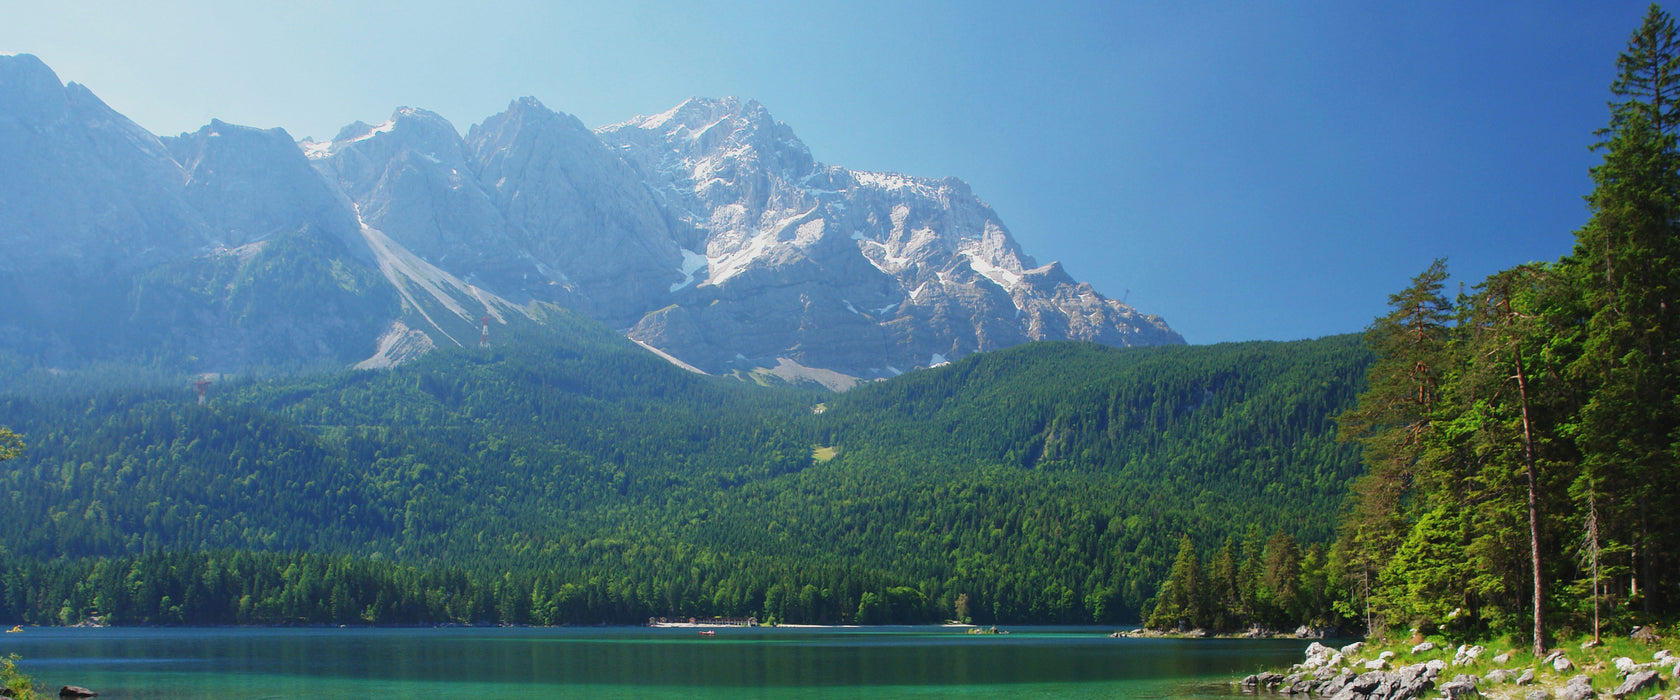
x,y
864,273
218,251
87,199
707,234
82,182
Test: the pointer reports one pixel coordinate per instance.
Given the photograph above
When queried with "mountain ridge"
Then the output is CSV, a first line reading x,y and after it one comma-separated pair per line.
x,y
708,232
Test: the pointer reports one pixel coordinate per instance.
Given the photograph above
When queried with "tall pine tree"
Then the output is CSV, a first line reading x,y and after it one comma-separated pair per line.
x,y
1392,420
1624,266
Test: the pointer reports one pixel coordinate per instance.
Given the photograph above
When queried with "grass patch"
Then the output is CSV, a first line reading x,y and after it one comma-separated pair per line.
x,y
823,454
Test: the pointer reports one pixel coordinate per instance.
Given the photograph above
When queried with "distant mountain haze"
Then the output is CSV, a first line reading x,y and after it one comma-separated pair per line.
x,y
707,233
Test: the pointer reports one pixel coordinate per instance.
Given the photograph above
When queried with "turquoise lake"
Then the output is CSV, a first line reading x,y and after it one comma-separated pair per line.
x,y
633,662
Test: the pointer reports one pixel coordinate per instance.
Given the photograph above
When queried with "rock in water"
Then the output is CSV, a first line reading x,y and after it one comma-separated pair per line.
x,y
75,691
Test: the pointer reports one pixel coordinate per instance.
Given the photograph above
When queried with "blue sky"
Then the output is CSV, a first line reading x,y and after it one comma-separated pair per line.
x,y
1247,170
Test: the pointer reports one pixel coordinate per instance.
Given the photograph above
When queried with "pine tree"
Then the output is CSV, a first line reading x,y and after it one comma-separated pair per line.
x,y
1624,265
1648,81
1501,398
1182,597
1392,419
1282,577
1225,593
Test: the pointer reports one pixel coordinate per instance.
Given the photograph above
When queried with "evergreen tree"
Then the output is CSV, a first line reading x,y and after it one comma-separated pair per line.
x,y
1224,589
1507,407
1427,580
1392,419
1281,579
1182,597
1648,75
1625,267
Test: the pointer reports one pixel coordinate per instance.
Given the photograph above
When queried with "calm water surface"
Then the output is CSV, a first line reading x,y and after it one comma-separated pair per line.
x,y
514,664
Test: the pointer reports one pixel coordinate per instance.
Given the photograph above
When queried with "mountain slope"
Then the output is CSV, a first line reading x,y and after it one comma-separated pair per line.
x,y
1045,483
217,251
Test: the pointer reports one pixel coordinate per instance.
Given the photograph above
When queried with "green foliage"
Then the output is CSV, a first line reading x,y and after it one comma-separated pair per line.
x,y
1535,488
1392,420
11,444
20,687
1183,598
1626,271
1276,586
567,476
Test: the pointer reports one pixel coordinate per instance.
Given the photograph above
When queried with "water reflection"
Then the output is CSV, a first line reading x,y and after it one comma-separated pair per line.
x,y
634,662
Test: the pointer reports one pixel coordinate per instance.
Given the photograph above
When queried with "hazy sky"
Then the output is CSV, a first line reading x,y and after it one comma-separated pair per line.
x,y
1247,170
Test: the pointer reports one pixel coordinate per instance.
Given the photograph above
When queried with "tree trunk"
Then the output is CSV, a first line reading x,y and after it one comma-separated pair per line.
x,y
1533,510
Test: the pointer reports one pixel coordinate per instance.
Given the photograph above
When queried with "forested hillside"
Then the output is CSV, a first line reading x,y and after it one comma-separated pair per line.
x,y
567,476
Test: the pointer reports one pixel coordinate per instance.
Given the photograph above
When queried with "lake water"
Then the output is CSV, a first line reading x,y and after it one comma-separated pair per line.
x,y
630,662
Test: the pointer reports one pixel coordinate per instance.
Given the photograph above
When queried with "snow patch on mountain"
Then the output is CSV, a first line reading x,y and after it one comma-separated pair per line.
x,y
383,128
731,264
1003,277
315,150
692,263
883,259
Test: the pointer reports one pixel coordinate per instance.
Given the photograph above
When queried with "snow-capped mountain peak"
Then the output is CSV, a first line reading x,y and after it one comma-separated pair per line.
x,y
706,231
812,244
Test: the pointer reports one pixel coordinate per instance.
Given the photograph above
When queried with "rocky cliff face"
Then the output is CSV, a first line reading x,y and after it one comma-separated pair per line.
x,y
220,250
866,273
707,232
81,182
409,178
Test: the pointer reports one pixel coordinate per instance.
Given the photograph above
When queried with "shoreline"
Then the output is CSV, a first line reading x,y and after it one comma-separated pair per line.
x,y
1313,636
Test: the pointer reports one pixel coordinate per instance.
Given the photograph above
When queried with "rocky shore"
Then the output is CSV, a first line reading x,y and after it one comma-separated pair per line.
x,y
1353,673
1302,632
